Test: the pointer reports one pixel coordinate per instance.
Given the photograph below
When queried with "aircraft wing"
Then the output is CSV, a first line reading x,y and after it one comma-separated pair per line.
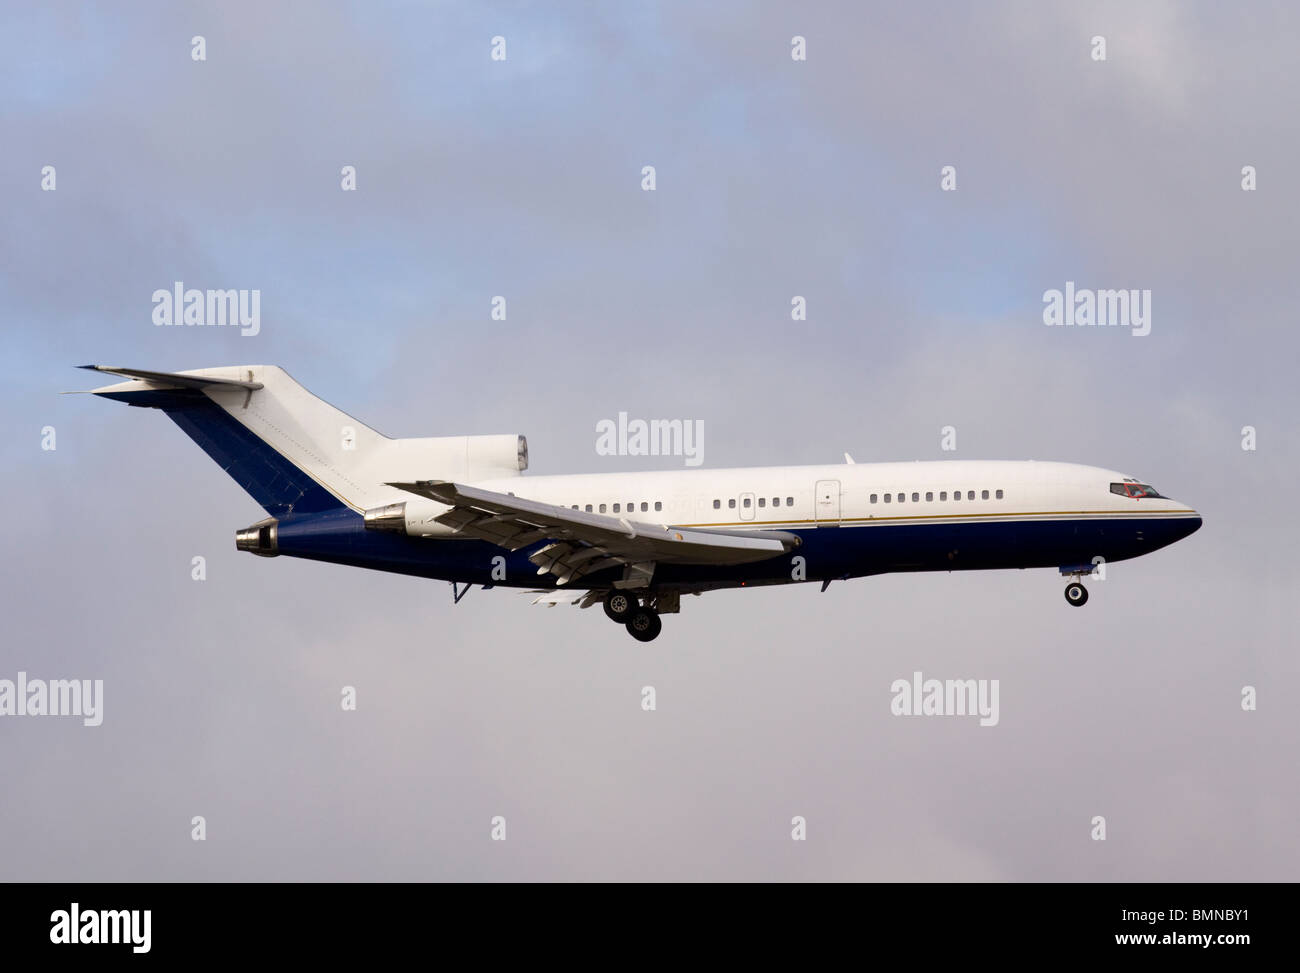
x,y
582,543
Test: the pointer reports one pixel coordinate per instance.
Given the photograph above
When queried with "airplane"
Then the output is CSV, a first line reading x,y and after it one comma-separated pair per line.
x,y
459,509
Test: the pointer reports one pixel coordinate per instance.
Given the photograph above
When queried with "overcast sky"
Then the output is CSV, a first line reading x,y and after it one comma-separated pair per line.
x,y
774,178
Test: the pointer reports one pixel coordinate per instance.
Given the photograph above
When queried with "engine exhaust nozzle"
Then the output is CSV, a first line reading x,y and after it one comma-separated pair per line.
x,y
260,539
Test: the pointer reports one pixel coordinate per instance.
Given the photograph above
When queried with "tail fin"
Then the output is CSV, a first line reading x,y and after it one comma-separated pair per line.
x,y
297,454
292,452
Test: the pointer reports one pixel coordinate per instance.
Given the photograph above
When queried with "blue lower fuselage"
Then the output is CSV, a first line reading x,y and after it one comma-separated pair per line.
x,y
828,552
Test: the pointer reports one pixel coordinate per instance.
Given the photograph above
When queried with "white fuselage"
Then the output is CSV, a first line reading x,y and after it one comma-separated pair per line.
x,y
778,497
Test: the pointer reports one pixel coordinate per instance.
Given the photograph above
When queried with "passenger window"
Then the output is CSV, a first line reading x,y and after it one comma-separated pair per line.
x,y
746,502
999,494
916,498
731,504
928,496
873,498
602,508
616,508
776,501
956,494
717,504
762,501
659,505
575,506
789,501
889,497
902,497
984,495
970,494
588,508
943,495
644,506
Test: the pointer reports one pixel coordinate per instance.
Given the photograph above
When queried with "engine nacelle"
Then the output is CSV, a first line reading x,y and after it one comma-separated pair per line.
x,y
414,518
458,458
487,455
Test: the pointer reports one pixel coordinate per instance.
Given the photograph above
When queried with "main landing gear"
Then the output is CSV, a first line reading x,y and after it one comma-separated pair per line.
x,y
619,605
641,621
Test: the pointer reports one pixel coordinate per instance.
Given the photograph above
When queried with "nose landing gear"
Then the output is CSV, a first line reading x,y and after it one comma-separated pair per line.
x,y
1075,593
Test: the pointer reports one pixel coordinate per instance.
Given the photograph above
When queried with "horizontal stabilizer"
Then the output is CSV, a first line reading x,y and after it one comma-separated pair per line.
x,y
175,379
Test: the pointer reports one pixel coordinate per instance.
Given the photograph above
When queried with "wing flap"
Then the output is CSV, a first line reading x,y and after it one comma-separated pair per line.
x,y
583,543
583,599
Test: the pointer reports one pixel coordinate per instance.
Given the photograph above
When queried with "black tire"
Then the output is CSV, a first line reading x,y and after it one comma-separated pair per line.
x,y
644,624
619,606
1076,594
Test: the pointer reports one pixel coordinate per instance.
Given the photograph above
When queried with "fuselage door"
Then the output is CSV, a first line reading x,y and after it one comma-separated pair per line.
x,y
746,506
827,504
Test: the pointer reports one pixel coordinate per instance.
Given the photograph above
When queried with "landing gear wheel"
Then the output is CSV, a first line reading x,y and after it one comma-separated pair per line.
x,y
644,624
619,605
1076,594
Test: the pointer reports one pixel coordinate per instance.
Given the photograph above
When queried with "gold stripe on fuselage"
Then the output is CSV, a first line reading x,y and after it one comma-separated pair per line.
x,y
1166,514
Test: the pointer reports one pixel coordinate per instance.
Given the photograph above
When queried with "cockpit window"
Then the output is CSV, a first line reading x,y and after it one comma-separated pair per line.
x,y
1131,488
